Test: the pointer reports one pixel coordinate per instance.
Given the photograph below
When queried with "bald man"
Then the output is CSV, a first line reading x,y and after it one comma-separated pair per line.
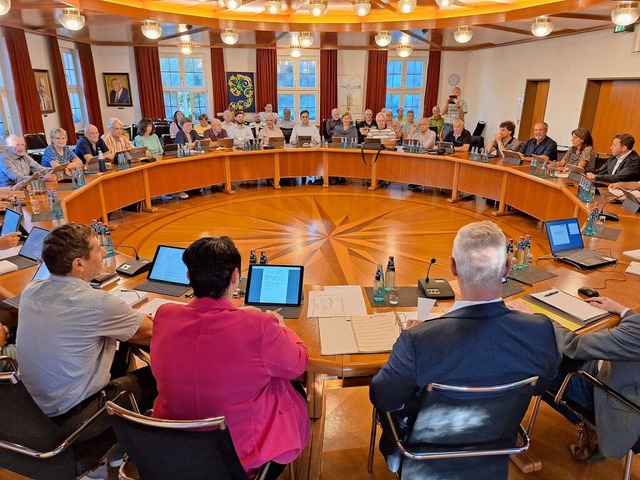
x,y
89,145
16,165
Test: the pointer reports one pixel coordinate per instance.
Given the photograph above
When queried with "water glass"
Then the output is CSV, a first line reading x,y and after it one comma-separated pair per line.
x,y
600,226
394,295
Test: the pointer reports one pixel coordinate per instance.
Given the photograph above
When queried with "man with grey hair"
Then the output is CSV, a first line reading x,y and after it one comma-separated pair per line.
x,y
270,129
116,139
91,145
479,342
16,165
381,130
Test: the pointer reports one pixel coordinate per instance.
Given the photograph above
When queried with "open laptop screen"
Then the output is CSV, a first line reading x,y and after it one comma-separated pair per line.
x,y
168,266
11,222
564,235
42,273
32,247
274,285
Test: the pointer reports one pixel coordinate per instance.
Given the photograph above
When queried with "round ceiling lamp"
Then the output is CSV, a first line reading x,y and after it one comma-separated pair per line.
x,y
185,47
444,3
151,29
404,48
71,19
232,4
305,39
625,13
407,6
295,51
229,36
5,6
383,39
542,26
362,7
463,34
317,7
273,6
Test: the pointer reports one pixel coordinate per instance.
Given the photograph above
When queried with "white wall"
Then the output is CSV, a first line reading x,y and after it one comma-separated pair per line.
x,y
40,55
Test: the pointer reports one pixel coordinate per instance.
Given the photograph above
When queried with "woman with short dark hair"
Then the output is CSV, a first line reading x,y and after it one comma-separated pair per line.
x,y
147,137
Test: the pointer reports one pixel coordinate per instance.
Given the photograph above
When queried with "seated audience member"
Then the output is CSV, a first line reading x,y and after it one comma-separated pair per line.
x,y
332,123
175,127
268,108
187,135
382,130
228,121
91,145
504,139
480,342
304,129
436,120
459,136
6,348
423,134
269,130
624,163
65,362
215,133
58,152
239,131
346,129
365,125
203,124
400,118
116,139
540,144
407,123
286,121
394,124
256,125
147,137
613,357
16,165
241,366
581,154
454,109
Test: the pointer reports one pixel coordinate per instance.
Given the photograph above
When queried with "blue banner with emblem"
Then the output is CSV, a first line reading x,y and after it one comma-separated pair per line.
x,y
241,91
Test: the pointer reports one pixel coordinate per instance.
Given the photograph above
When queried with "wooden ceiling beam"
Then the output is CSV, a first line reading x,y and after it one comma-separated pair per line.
x,y
422,39
385,5
502,28
193,31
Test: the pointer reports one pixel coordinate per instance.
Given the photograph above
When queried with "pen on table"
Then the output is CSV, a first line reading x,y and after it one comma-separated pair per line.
x,y
276,310
551,293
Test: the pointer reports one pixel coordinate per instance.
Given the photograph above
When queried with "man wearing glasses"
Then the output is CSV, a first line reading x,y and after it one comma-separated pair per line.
x,y
305,130
89,145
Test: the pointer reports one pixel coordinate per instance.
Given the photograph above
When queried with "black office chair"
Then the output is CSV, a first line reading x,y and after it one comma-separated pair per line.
x,y
479,128
35,141
477,142
287,133
176,449
587,418
33,446
465,430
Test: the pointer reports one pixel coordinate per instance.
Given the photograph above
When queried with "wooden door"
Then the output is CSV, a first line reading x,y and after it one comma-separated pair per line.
x,y
533,107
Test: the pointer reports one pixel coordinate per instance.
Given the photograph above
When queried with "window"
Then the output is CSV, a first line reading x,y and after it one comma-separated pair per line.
x,y
298,86
405,84
8,112
74,87
184,85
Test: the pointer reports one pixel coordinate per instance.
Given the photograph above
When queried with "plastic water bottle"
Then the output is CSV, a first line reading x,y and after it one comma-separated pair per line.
x,y
102,166
74,180
252,258
520,255
543,170
533,167
590,229
57,208
527,251
390,274
263,258
82,181
17,205
378,286
127,160
552,169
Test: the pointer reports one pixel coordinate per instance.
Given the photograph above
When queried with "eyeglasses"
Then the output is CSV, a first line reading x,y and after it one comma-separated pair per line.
x,y
304,116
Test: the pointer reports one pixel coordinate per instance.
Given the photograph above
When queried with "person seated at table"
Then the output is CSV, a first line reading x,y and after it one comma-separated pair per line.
x,y
540,144
228,120
268,108
405,126
215,133
241,366
58,152
382,131
187,135
90,145
332,123
365,125
423,134
480,342
390,122
116,139
269,130
203,124
16,165
436,120
624,163
613,357
400,118
504,139
459,136
286,121
147,137
175,127
581,154
304,129
239,131
346,129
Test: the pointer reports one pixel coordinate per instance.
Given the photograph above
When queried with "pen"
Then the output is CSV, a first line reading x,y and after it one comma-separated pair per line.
x,y
276,310
551,293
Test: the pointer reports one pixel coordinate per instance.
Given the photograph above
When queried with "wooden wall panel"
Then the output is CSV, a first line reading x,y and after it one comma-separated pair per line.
x,y
617,102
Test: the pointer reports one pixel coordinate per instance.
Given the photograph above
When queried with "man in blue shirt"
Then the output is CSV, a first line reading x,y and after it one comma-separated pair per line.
x,y
540,144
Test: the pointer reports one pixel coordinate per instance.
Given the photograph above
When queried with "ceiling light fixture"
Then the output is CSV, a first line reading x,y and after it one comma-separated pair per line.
x,y
383,39
625,13
71,19
5,6
542,26
305,39
185,47
463,34
229,36
317,7
404,48
444,3
295,51
362,7
232,4
407,6
151,29
273,6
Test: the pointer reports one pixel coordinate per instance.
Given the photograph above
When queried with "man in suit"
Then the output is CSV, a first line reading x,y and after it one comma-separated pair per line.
x,y
480,342
119,94
624,163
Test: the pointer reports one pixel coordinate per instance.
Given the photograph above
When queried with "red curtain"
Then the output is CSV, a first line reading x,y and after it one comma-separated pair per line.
x,y
62,97
149,82
376,80
267,65
219,81
90,84
24,82
433,76
329,83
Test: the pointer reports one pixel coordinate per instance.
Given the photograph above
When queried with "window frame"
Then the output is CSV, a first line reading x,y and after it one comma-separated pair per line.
x,y
77,89
183,88
299,93
403,90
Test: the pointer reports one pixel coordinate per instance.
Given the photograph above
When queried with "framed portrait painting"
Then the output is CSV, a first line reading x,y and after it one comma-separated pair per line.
x,y
117,88
45,93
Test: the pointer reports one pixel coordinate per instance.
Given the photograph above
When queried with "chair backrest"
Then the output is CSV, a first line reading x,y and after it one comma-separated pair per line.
x,y
287,133
477,141
479,128
35,141
177,449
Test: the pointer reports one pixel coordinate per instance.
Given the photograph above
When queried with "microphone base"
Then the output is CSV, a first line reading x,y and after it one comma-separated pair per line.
x,y
436,288
134,267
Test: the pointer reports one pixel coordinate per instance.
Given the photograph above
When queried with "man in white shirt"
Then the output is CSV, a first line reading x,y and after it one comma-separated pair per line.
x,y
228,120
268,109
240,132
406,126
422,133
305,130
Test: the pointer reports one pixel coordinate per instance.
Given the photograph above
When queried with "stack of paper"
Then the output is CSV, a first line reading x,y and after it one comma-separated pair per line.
x,y
570,305
152,307
132,297
6,267
635,254
336,301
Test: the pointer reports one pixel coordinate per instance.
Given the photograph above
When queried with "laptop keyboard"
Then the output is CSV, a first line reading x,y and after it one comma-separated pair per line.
x,y
22,262
13,301
286,312
162,288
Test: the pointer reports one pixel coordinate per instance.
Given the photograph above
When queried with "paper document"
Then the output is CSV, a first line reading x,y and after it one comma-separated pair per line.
x,y
635,254
336,301
150,308
633,268
132,297
6,267
573,306
425,305
358,334
10,252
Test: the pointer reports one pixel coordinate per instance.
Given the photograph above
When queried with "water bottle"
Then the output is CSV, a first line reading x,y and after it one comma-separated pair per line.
x,y
378,286
74,180
263,258
520,255
527,251
42,185
17,205
543,170
484,156
108,243
102,166
590,229
82,181
533,167
127,160
252,258
552,169
57,208
35,208
50,195
390,274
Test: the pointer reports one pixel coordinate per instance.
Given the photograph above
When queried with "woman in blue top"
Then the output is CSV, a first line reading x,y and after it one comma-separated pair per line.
x,y
59,152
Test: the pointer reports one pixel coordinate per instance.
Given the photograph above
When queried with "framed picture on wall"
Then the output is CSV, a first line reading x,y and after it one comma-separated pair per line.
x,y
118,91
45,94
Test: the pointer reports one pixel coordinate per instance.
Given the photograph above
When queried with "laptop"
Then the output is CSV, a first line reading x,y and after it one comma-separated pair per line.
x,y
225,142
448,147
574,169
168,275
93,166
627,193
138,153
273,287
11,222
171,149
302,139
30,253
565,240
205,144
511,157
277,142
41,274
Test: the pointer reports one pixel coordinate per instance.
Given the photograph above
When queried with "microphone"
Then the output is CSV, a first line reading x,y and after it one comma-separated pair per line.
x,y
436,287
133,267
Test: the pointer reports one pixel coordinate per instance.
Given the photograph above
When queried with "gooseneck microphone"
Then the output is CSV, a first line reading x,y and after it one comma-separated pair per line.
x,y
128,246
436,287
433,260
133,267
